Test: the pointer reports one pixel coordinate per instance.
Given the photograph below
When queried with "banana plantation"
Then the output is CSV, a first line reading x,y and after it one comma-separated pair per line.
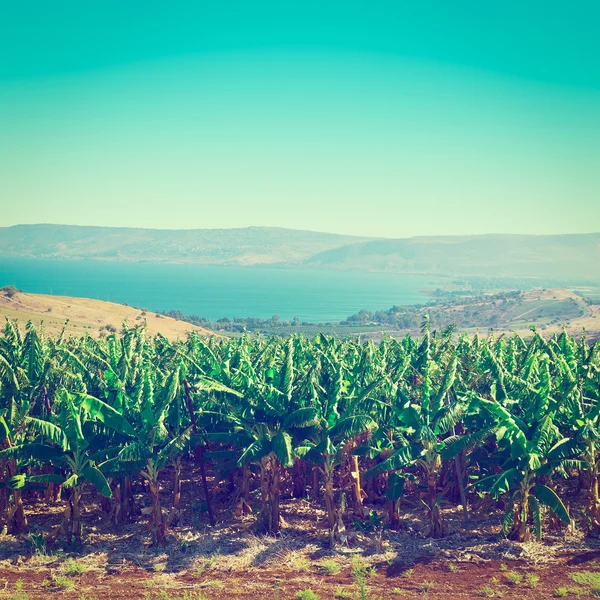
x,y
361,430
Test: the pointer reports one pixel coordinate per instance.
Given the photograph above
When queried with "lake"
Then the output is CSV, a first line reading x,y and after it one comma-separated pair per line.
x,y
214,292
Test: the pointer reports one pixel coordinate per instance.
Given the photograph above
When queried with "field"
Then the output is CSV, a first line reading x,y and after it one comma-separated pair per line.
x,y
437,466
230,560
87,316
549,310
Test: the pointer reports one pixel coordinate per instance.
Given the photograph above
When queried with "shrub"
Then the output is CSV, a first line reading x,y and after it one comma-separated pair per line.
x,y
10,291
72,567
62,582
330,567
306,595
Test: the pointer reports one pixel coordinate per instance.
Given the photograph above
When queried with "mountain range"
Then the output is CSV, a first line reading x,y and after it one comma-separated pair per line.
x,y
572,256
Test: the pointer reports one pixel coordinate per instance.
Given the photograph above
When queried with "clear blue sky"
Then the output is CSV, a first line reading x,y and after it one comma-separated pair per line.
x,y
382,118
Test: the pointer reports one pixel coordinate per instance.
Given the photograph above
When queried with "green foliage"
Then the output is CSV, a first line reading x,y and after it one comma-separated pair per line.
x,y
587,578
514,577
306,595
62,582
514,415
73,568
330,567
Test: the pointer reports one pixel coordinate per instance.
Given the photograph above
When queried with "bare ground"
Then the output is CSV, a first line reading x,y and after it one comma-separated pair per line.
x,y
230,561
87,316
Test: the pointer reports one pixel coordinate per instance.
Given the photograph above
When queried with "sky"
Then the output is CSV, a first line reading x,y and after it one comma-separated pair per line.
x,y
380,118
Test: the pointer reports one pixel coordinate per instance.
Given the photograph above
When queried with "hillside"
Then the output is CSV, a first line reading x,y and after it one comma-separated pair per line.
x,y
550,256
567,257
94,317
248,246
549,311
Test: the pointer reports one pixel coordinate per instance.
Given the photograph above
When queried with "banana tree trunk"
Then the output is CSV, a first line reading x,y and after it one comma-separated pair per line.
x,y
461,486
3,493
593,499
357,500
394,514
524,533
107,505
520,531
73,527
334,518
157,521
269,518
50,495
245,491
177,483
46,400
436,520
199,454
116,503
125,506
175,512
17,521
274,494
122,502
299,479
315,486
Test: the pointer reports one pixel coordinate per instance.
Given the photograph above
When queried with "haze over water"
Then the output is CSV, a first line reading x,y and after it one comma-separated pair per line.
x,y
215,292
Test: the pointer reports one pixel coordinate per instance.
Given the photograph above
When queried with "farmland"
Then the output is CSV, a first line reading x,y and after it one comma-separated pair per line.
x,y
438,465
506,311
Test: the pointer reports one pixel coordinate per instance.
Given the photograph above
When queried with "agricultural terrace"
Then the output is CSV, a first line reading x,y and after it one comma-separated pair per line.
x,y
213,468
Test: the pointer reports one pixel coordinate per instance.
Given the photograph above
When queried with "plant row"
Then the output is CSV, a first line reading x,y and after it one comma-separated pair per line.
x,y
453,417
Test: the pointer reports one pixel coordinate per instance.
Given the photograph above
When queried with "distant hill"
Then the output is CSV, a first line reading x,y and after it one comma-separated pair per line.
x,y
247,246
545,256
565,257
86,316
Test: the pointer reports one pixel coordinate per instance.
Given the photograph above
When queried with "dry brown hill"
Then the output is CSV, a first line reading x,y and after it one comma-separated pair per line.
x,y
95,317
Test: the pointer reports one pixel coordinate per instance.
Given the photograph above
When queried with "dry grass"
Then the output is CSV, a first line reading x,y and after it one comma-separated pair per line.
x,y
87,316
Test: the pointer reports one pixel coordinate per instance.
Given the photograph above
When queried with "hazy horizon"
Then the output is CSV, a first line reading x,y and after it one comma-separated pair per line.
x,y
382,121
157,228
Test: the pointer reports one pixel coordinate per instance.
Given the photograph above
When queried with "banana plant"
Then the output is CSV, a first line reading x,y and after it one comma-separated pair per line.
x,y
270,446
267,416
17,451
533,453
579,411
338,405
154,446
423,417
326,445
69,444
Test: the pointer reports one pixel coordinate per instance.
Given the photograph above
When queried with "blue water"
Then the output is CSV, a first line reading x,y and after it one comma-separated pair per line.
x,y
215,292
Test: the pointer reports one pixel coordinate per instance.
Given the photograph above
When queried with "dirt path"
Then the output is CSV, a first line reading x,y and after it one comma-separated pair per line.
x,y
437,580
